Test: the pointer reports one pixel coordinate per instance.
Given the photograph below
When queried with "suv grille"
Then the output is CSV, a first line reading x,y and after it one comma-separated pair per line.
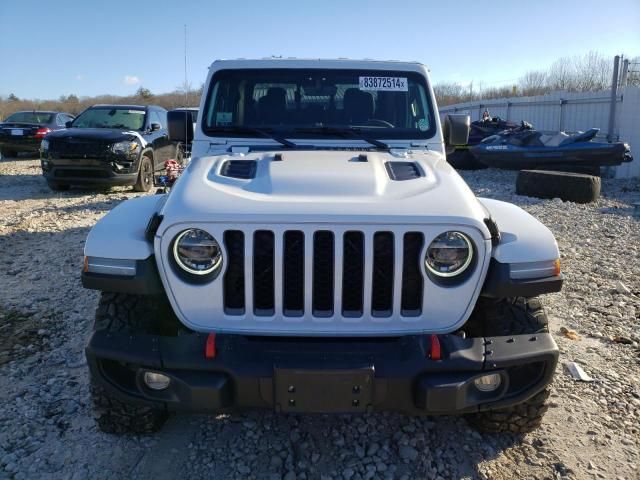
x,y
78,149
309,261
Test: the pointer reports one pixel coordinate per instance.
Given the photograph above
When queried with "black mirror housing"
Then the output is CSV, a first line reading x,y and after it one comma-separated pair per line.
x,y
155,127
180,125
456,129
68,124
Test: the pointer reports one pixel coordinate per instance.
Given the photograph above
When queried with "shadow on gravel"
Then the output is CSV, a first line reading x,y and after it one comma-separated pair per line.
x,y
264,445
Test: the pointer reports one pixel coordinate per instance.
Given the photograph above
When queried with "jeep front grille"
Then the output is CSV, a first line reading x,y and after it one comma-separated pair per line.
x,y
349,274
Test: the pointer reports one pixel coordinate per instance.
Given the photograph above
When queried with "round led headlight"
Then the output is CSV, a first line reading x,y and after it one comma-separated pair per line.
x,y
197,252
449,254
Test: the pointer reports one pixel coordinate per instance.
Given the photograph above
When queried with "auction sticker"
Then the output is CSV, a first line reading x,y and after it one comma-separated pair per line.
x,y
384,84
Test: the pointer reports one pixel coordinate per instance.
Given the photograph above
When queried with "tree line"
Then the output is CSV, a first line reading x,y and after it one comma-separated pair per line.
x,y
589,73
74,104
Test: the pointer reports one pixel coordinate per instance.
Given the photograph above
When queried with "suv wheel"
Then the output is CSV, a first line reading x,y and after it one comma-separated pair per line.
x,y
511,316
145,175
136,314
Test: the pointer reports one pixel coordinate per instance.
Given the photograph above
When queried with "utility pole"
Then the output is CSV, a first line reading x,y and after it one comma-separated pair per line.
x,y
614,99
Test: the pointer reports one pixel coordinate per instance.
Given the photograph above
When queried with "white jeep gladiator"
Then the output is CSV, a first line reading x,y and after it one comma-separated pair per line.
x,y
319,254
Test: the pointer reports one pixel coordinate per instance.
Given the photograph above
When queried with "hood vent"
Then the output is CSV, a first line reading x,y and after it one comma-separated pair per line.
x,y
402,170
244,169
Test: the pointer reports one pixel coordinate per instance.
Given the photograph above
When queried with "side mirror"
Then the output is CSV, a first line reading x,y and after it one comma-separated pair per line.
x,y
68,124
155,127
456,129
180,125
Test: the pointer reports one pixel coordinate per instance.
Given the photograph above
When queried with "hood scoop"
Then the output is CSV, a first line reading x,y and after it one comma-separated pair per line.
x,y
243,169
399,171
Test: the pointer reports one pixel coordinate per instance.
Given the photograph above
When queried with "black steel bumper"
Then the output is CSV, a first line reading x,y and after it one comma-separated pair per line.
x,y
322,375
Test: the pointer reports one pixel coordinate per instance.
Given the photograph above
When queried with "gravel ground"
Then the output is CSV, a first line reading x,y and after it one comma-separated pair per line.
x,y
46,429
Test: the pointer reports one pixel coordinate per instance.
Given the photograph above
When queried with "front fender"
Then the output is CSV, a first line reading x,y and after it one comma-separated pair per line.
x,y
121,232
118,255
523,238
525,261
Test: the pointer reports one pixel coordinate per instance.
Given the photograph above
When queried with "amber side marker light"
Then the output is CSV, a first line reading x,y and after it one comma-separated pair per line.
x,y
86,265
556,264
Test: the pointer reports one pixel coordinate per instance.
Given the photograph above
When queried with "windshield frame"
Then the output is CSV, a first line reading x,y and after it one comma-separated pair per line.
x,y
114,107
293,131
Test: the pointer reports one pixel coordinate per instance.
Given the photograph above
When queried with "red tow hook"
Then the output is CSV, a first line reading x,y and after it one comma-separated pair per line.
x,y
436,352
210,346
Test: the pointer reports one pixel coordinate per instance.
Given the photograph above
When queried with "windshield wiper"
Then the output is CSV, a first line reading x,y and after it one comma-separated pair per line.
x,y
353,132
264,132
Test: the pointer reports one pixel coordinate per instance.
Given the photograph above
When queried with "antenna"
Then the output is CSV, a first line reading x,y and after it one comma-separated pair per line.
x,y
186,92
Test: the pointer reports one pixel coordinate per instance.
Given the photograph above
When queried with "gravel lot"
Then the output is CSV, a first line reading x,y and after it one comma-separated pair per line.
x,y
46,429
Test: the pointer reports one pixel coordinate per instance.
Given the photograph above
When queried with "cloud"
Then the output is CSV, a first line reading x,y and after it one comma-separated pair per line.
x,y
131,80
79,77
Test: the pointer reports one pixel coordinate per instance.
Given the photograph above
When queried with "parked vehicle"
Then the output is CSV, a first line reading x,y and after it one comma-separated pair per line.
x,y
174,117
320,255
526,148
23,131
109,145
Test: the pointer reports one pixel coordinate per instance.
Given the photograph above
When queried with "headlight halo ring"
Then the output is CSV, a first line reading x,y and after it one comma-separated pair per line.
x,y
460,270
213,269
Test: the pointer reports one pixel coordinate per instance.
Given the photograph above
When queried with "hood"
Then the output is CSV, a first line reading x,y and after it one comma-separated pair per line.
x,y
101,134
324,186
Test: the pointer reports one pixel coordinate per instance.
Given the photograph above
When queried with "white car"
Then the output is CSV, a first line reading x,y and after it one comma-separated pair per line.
x,y
319,254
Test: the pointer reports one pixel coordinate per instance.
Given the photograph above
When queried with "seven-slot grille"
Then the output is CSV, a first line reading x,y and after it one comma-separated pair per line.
x,y
322,273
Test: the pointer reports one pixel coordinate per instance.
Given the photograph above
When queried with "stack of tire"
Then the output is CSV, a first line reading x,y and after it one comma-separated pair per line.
x,y
567,186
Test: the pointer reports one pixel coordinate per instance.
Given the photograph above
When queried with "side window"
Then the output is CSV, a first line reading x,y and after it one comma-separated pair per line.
x,y
61,119
156,117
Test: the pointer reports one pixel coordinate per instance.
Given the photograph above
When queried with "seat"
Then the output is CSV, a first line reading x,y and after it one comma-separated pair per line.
x,y
358,106
581,136
272,108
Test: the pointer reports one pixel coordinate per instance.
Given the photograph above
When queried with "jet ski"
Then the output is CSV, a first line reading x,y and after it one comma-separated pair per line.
x,y
461,158
526,148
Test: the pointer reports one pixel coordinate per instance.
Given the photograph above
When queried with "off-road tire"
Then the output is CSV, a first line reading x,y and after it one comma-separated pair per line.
x,y
58,187
119,312
512,316
145,175
571,187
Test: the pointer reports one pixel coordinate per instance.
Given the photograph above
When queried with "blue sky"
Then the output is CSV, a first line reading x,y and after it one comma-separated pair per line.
x,y
114,46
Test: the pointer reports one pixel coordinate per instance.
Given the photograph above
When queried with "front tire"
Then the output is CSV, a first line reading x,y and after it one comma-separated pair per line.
x,y
137,314
512,316
145,175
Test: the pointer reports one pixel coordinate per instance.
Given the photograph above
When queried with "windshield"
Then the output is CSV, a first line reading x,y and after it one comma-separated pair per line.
x,y
30,117
306,103
110,117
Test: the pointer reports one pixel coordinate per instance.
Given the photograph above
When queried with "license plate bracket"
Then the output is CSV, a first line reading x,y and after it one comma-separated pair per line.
x,y
17,132
323,391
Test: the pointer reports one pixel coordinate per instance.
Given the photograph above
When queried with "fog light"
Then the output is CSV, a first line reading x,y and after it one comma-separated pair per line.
x,y
156,381
488,383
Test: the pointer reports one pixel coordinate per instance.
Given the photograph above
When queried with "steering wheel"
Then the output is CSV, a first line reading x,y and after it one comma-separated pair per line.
x,y
379,121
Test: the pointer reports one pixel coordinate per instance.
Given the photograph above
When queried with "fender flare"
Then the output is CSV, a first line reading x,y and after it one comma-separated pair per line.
x,y
121,235
524,262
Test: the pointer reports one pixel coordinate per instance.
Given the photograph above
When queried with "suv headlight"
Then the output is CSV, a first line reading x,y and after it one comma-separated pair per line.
x,y
44,145
196,252
449,254
124,148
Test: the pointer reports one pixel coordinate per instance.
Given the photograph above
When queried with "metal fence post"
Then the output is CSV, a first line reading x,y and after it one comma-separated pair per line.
x,y
561,120
614,98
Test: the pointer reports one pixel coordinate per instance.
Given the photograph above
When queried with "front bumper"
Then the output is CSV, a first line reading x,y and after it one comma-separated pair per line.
x,y
322,375
90,171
